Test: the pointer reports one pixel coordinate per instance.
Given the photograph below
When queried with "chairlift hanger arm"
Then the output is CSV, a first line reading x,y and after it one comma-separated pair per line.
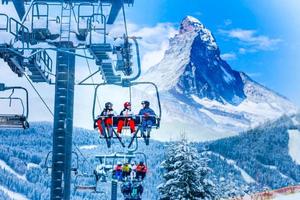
x,y
26,94
157,94
16,98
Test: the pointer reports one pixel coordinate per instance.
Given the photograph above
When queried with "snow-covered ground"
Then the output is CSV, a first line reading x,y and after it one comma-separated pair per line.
x,y
294,145
4,166
13,195
32,165
295,196
88,147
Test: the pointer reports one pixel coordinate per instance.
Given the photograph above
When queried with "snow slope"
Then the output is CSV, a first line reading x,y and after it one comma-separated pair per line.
x,y
13,195
4,166
295,196
294,145
245,175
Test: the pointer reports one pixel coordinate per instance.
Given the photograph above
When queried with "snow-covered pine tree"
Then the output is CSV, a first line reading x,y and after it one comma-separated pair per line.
x,y
185,175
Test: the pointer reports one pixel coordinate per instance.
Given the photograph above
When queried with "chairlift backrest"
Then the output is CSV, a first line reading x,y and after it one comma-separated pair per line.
x,y
25,107
40,16
85,12
97,25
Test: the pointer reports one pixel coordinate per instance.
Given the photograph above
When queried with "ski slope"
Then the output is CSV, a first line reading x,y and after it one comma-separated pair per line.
x,y
295,196
294,144
12,195
4,166
244,174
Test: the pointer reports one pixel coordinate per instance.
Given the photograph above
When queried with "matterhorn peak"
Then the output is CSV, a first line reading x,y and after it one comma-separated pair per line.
x,y
190,24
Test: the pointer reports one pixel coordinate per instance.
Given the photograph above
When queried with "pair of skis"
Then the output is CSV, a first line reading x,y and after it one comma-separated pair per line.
x,y
112,132
146,137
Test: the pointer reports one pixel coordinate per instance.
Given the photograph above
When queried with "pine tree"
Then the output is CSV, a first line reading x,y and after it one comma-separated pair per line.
x,y
186,174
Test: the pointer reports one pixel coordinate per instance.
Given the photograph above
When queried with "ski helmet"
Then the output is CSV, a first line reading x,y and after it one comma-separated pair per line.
x,y
108,105
146,103
127,104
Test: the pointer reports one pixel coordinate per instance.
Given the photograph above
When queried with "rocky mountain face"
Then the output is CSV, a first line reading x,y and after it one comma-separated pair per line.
x,y
203,95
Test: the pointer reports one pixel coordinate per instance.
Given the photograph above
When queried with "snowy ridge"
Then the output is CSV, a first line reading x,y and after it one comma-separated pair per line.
x,y
175,59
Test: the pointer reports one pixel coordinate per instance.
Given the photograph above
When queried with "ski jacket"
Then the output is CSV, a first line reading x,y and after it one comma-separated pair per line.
x,y
118,168
141,168
126,168
108,112
126,112
146,112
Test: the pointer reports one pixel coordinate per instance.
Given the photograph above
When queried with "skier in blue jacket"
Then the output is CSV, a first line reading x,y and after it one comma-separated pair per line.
x,y
148,117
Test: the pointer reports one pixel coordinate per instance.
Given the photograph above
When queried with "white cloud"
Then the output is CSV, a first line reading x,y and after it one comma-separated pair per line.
x,y
251,40
154,42
227,22
254,74
228,56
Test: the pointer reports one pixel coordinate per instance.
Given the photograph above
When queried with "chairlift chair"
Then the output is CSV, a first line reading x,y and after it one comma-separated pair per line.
x,y
137,119
86,182
84,20
18,120
128,82
110,161
40,21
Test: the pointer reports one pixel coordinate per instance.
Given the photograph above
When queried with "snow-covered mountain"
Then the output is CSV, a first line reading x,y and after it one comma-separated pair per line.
x,y
202,95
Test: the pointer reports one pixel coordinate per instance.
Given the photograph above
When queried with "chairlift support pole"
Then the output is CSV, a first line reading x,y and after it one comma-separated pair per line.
x,y
63,126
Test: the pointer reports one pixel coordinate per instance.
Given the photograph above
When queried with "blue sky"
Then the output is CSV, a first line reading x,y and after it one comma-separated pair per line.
x,y
260,37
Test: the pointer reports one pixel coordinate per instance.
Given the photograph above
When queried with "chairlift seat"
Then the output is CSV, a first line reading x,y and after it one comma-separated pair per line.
x,y
13,121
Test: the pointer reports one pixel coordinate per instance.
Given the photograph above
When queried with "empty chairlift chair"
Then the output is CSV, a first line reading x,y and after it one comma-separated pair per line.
x,y
18,120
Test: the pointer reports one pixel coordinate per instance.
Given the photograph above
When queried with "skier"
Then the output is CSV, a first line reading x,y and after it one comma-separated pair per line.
x,y
127,120
126,169
100,173
126,189
148,118
133,170
139,190
117,172
141,170
105,120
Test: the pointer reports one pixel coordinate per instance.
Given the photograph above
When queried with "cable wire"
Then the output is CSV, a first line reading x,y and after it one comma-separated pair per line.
x,y
124,18
90,71
84,158
41,98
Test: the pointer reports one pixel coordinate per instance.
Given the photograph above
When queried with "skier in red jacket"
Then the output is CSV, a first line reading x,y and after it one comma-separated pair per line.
x,y
105,119
127,118
141,170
